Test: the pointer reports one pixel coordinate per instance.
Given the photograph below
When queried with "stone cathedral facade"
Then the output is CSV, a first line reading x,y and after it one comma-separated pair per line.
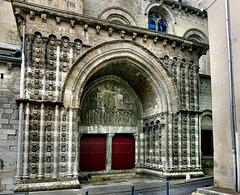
x,y
107,90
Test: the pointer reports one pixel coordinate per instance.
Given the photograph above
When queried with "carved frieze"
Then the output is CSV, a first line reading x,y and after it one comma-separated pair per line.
x,y
108,103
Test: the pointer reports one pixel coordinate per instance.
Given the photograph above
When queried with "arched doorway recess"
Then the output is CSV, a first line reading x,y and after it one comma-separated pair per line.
x,y
125,81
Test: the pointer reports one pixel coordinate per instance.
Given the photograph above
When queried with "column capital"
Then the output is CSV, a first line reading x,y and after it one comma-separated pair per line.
x,y
135,135
59,42
72,44
45,39
30,37
110,135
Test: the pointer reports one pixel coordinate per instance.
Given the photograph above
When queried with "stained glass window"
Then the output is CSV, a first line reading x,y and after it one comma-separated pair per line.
x,y
157,22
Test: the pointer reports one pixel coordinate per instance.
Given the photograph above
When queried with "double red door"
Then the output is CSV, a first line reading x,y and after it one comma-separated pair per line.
x,y
93,152
123,152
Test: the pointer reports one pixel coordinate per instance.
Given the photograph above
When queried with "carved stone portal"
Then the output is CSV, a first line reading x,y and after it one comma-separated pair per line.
x,y
107,102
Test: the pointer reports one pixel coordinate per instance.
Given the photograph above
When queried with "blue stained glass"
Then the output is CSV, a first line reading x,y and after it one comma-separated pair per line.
x,y
156,15
162,27
151,24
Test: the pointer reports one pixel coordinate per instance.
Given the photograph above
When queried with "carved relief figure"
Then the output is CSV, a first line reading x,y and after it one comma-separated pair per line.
x,y
108,103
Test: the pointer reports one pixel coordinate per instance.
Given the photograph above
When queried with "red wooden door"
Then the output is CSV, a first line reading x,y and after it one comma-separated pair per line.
x,y
123,152
92,153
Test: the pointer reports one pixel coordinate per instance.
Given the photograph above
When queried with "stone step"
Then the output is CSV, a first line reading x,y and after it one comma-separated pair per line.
x,y
112,176
208,171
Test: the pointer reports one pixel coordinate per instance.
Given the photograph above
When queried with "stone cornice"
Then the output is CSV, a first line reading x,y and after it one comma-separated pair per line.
x,y
25,100
186,8
10,59
80,19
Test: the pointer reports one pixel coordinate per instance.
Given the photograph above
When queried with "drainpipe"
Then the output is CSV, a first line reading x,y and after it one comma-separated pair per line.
x,y
231,93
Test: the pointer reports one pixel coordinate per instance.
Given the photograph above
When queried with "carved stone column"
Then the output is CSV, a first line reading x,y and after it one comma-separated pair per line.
x,y
26,143
44,61
197,142
169,142
77,159
30,39
77,145
57,70
70,136
41,142
72,45
136,149
109,151
56,133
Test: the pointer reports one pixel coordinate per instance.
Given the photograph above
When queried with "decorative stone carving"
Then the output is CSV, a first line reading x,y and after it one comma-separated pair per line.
x,y
32,15
164,42
44,17
145,38
134,36
98,28
110,31
155,40
85,27
72,23
58,20
108,104
122,34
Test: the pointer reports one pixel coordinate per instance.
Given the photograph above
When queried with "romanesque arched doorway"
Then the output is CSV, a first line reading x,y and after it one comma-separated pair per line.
x,y
207,142
108,120
122,88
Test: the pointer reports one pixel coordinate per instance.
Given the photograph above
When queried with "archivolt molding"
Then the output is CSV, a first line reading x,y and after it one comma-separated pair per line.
x,y
109,52
194,31
117,13
205,113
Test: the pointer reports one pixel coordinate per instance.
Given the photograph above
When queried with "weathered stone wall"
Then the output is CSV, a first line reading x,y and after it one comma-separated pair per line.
x,y
9,34
9,91
67,5
205,93
200,4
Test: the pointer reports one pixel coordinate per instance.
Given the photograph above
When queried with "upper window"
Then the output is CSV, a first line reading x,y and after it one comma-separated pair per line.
x,y
157,22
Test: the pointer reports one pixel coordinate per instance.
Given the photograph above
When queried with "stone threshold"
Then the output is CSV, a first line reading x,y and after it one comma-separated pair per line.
x,y
214,191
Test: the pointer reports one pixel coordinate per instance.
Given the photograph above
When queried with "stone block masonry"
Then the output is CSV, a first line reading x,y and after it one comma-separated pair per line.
x,y
9,91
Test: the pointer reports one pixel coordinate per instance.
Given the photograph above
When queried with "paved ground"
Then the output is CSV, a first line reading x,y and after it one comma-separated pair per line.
x,y
180,189
143,185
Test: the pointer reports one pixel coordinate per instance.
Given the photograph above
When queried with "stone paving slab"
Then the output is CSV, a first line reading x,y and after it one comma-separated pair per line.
x,y
118,186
